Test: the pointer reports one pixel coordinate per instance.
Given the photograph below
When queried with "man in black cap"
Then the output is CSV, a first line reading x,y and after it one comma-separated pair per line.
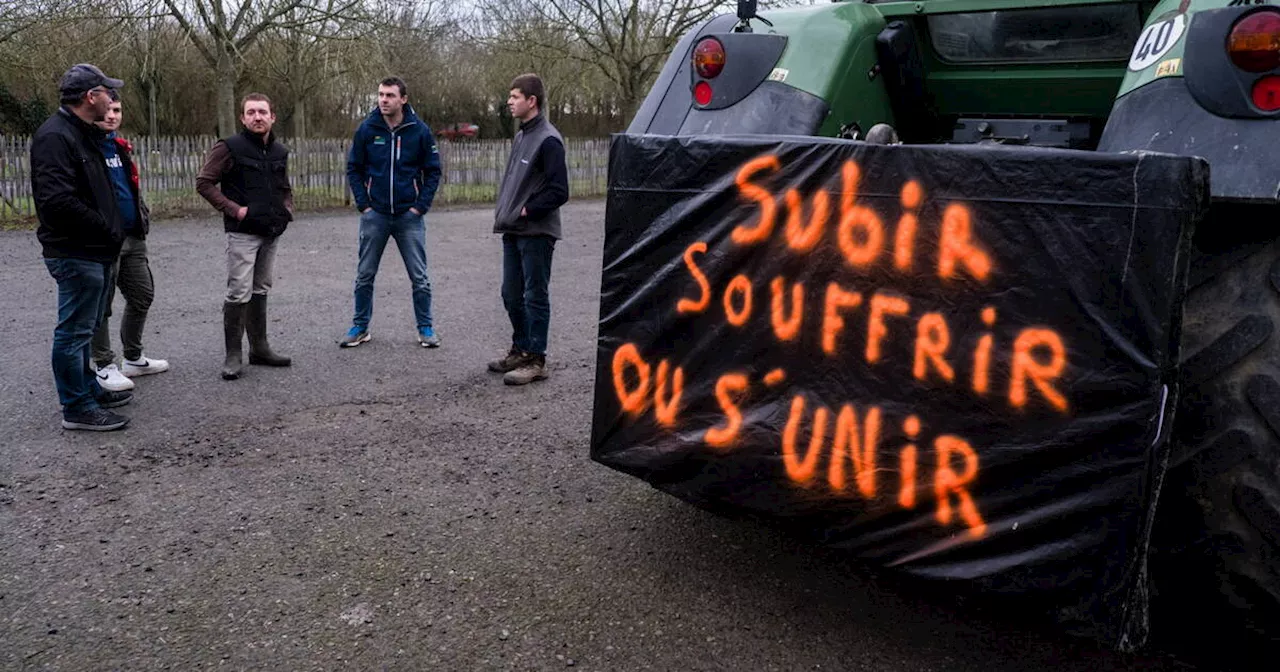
x,y
81,233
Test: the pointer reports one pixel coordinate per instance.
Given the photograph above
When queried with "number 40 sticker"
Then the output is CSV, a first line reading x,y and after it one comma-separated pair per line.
x,y
1156,41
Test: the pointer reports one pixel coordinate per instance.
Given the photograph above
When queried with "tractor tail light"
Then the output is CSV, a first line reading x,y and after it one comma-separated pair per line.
x,y
1254,42
708,58
1266,93
702,93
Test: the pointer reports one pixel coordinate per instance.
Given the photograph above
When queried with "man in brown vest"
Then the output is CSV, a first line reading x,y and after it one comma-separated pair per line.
x,y
256,202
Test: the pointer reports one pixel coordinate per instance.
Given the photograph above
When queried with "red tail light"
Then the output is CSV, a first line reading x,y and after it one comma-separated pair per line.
x,y
1254,42
702,93
708,57
1266,93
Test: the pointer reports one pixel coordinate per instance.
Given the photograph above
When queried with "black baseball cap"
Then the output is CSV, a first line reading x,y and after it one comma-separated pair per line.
x,y
85,76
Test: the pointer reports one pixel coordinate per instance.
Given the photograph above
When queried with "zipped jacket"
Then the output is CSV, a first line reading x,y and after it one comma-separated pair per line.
x,y
142,221
393,169
535,183
74,198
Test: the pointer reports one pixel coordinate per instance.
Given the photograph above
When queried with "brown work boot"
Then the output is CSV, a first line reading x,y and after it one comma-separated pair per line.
x,y
533,368
512,361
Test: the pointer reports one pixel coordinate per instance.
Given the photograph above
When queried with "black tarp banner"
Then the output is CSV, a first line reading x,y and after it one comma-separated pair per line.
x,y
954,361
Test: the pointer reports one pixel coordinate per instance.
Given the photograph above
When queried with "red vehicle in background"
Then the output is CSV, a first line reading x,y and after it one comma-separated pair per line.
x,y
459,131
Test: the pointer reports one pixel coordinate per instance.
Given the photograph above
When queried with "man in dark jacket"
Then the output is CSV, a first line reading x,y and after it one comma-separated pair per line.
x,y
131,271
256,202
534,186
393,169
81,233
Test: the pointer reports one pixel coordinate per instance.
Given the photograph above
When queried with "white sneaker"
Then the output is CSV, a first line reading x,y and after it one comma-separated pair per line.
x,y
110,378
143,366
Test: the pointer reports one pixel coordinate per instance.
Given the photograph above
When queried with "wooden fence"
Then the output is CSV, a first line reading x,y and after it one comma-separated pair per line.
x,y
317,169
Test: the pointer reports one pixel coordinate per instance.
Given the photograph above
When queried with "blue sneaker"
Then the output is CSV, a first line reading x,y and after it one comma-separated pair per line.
x,y
355,336
427,338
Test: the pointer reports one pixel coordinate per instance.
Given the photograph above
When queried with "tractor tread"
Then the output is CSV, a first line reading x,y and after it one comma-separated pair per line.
x,y
1207,267
1222,454
1216,541
1264,394
1216,358
1260,511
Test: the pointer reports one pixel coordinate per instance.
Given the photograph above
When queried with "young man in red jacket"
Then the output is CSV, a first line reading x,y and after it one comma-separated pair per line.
x,y
131,272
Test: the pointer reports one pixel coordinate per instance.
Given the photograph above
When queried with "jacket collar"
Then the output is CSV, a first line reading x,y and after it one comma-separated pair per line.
x,y
108,142
257,139
90,130
532,123
375,118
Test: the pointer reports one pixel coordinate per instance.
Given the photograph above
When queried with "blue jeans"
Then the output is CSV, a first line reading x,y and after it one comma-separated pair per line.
x,y
526,273
410,233
82,298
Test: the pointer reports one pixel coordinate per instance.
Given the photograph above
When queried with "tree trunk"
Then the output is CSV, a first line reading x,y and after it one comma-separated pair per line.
x,y
633,92
153,125
628,104
300,117
226,82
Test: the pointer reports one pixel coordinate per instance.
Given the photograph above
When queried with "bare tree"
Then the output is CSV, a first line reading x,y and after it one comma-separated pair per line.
x,y
17,17
146,39
444,71
544,48
39,22
223,30
627,41
39,40
321,60
304,63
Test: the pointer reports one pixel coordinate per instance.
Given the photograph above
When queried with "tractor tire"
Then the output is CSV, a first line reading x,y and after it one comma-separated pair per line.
x,y
1215,556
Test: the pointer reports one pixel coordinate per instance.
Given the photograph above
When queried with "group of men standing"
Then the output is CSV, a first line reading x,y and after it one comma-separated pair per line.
x,y
94,224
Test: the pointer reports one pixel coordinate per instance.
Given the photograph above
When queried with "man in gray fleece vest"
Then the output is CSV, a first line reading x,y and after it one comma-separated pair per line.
x,y
534,186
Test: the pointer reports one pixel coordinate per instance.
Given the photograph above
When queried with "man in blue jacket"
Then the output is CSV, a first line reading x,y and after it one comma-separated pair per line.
x,y
393,169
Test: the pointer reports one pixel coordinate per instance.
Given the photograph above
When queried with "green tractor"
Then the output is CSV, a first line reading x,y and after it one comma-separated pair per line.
x,y
1184,77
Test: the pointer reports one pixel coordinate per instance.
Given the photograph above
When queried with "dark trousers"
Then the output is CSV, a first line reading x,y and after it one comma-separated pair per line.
x,y
526,274
82,291
131,273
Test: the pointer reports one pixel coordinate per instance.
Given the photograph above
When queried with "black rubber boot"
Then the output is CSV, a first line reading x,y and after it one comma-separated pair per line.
x,y
233,332
256,324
